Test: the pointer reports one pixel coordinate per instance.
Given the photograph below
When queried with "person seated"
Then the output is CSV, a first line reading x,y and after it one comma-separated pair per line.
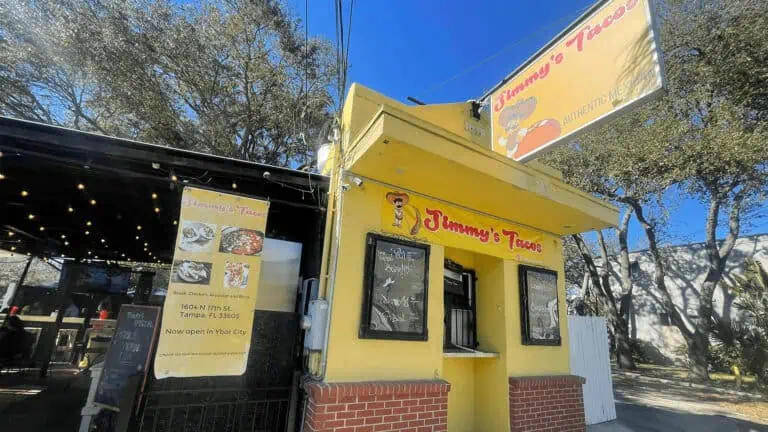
x,y
14,341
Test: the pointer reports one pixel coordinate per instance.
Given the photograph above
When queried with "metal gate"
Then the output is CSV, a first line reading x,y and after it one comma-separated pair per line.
x,y
591,359
258,401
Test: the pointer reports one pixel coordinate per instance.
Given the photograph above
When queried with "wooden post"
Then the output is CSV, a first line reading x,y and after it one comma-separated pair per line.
x,y
64,289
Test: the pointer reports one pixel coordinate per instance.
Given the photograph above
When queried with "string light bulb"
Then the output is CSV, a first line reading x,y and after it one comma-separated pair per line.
x,y
89,252
138,237
42,228
87,232
13,248
174,178
103,241
138,227
2,176
234,185
24,193
31,217
146,244
157,209
70,209
93,202
80,186
63,236
66,243
175,222
88,223
11,233
154,195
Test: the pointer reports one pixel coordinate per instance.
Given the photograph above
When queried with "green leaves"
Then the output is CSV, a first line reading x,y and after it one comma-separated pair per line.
x,y
218,76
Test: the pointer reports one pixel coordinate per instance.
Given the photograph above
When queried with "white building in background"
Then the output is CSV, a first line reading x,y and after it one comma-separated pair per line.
x,y
686,270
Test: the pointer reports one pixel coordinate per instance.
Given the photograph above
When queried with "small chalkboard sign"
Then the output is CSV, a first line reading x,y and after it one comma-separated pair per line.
x,y
129,353
395,289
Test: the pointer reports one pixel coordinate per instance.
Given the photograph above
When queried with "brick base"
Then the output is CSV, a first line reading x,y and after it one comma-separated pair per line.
x,y
546,403
412,406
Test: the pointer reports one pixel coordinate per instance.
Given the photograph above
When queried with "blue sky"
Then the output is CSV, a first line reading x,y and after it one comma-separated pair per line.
x,y
410,48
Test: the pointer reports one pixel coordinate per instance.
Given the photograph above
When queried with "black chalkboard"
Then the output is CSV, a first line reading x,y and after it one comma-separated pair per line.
x,y
395,289
129,353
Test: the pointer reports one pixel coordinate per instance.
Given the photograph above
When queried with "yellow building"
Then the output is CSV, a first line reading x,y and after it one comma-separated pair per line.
x,y
444,279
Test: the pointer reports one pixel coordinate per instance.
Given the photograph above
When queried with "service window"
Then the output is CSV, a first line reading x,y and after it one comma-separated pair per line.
x,y
459,306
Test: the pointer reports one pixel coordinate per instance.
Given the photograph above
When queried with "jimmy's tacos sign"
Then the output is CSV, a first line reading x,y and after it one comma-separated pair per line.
x,y
415,216
604,63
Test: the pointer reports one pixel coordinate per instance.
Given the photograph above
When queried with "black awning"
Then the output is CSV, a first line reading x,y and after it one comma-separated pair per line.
x,y
83,195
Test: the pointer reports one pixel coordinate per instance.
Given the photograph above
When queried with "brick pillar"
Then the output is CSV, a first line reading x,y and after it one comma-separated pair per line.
x,y
412,406
543,403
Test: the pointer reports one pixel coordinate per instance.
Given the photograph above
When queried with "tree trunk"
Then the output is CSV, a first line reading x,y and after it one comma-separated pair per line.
x,y
616,322
698,353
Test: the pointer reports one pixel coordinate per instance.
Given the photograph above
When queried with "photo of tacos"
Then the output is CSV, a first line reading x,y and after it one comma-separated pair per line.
x,y
241,241
191,272
196,236
236,275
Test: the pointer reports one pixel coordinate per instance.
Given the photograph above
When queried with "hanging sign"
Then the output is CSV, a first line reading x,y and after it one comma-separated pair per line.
x,y
430,221
603,64
208,312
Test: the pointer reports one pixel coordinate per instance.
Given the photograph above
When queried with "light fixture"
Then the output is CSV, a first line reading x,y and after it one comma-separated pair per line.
x,y
88,223
24,193
234,185
80,186
13,248
11,233
145,249
63,256
89,252
122,255
175,222
42,228
29,254
154,195
146,244
2,176
87,232
70,209
96,257
93,202
138,237
31,217
129,260
66,243
157,209
138,227
103,241
173,177
63,236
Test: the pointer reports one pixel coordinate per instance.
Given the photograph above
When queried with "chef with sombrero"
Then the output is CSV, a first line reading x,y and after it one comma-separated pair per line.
x,y
519,140
399,200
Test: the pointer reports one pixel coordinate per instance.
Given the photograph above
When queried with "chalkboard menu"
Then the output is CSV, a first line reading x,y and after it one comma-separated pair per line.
x,y
395,289
128,354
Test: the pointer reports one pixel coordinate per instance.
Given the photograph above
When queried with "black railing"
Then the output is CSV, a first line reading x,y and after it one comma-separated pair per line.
x,y
221,410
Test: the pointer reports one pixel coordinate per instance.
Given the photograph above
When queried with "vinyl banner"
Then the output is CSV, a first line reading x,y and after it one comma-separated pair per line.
x,y
604,63
208,312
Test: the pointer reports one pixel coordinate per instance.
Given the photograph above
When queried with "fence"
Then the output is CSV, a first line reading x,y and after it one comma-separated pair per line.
x,y
591,359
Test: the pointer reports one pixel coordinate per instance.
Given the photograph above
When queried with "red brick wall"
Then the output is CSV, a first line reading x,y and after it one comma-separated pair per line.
x,y
412,406
546,403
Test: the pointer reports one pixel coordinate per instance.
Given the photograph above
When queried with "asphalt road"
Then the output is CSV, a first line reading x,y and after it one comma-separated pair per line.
x,y
654,407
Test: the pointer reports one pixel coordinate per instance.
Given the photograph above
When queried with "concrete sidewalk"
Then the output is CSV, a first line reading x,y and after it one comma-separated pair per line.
x,y
30,403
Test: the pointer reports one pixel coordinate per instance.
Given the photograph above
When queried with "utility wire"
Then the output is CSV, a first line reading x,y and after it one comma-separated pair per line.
x,y
518,42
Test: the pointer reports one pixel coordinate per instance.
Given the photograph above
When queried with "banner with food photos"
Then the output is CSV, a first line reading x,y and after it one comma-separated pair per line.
x,y
208,311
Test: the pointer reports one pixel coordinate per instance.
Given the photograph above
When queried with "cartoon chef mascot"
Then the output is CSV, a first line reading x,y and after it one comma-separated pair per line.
x,y
520,140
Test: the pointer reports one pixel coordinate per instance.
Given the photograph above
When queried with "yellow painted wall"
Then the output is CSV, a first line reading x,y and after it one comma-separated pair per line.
x,y
491,378
351,358
524,360
460,372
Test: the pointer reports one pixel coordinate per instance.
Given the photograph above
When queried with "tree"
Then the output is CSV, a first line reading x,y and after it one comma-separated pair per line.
x,y
707,138
231,77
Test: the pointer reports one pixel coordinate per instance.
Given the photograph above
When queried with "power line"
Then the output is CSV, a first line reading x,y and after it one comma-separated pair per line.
x,y
503,50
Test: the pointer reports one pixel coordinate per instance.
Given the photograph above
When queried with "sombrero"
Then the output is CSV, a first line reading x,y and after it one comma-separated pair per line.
x,y
520,110
392,196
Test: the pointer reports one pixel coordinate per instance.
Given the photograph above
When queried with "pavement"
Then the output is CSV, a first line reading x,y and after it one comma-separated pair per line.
x,y
30,403
643,406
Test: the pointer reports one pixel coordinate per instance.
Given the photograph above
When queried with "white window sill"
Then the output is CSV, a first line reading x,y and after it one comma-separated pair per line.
x,y
468,353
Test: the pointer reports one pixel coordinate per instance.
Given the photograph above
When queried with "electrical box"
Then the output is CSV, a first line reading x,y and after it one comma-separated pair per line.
x,y
318,319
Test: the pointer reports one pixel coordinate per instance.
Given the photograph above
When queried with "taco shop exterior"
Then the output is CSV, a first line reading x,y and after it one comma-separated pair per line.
x,y
443,274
